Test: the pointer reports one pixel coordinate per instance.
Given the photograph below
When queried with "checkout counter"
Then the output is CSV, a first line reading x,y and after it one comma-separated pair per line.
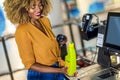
x,y
107,66
97,70
108,56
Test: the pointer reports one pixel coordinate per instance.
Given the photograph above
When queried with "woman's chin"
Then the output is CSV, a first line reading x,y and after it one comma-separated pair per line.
x,y
37,17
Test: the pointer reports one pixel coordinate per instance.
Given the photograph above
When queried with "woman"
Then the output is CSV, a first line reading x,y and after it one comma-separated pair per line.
x,y
36,42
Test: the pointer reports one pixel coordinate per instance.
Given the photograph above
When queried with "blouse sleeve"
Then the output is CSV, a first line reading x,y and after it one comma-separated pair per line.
x,y
25,48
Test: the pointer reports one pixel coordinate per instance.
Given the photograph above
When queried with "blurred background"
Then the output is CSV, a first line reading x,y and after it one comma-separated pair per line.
x,y
66,18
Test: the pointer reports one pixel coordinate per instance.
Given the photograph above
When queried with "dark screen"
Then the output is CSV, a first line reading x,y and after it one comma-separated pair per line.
x,y
112,35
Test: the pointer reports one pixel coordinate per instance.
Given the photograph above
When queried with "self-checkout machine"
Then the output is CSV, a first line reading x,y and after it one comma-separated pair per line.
x,y
108,60
108,41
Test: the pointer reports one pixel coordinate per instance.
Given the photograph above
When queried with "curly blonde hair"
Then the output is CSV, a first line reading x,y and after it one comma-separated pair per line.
x,y
16,10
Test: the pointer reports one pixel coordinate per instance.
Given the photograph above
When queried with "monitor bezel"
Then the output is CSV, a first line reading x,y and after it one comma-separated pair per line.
x,y
105,44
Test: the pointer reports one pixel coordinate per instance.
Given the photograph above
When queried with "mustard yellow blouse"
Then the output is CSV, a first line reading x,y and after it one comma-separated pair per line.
x,y
35,46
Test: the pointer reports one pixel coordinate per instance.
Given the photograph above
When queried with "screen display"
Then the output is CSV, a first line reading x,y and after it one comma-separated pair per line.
x,y
112,34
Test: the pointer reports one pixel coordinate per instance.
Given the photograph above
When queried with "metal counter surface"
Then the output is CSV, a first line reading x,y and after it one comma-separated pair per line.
x,y
94,72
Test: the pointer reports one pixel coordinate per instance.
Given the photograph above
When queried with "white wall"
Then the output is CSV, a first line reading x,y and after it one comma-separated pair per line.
x,y
56,17
83,6
1,1
56,13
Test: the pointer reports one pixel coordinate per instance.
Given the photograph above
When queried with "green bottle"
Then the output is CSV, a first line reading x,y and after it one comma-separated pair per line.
x,y
70,59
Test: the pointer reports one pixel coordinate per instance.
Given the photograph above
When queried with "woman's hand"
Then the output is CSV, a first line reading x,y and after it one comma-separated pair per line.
x,y
75,74
64,70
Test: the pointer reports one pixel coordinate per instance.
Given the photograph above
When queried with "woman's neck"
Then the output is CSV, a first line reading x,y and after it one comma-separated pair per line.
x,y
37,24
